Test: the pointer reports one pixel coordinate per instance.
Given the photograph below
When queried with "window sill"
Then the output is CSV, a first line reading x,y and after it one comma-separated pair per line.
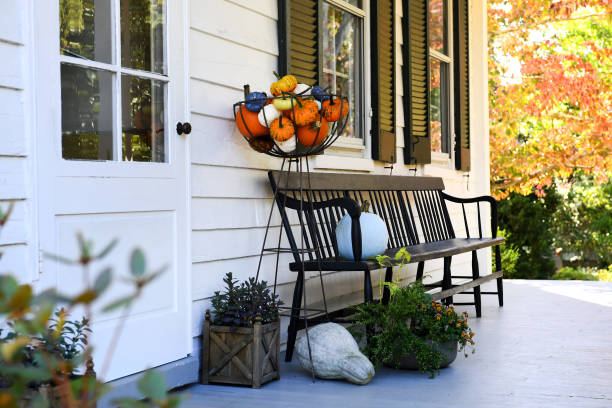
x,y
441,159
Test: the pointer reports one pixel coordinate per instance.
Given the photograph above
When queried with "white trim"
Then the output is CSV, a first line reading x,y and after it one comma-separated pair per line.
x,y
66,59
439,56
346,6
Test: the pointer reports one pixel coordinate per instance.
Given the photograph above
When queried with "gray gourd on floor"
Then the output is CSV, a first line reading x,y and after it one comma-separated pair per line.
x,y
335,355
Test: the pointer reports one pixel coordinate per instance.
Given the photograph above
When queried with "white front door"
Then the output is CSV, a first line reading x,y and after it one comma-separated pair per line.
x,y
111,86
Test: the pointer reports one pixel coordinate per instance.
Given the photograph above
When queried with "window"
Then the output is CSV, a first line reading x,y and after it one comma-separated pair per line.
x,y
440,63
114,81
342,50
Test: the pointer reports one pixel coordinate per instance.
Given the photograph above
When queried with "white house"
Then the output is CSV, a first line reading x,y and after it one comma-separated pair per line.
x,y
91,92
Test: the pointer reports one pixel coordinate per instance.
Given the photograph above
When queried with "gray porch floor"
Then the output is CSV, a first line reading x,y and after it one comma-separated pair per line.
x,y
550,346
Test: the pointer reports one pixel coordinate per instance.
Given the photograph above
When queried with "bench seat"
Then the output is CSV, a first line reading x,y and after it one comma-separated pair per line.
x,y
418,253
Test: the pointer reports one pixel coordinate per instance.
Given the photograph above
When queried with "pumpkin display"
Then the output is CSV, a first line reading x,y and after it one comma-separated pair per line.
x,y
267,115
248,124
262,144
285,102
255,101
307,111
313,133
319,94
334,109
288,145
284,84
281,130
302,90
374,236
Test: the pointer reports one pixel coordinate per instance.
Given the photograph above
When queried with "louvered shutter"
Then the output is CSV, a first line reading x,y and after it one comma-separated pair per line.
x,y
462,84
383,80
415,72
298,37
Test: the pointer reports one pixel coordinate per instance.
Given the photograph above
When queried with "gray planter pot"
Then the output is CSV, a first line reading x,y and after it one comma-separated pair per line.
x,y
448,350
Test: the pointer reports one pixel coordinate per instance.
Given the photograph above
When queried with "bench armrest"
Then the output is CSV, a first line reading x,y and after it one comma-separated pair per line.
x,y
489,199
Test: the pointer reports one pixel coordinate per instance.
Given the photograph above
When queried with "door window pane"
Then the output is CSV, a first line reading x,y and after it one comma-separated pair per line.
x,y
439,106
342,50
87,113
143,119
142,35
85,29
438,28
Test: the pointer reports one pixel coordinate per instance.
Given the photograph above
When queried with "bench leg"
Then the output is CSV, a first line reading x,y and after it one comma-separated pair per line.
x,y
500,282
447,280
368,294
298,290
386,291
476,275
420,270
500,291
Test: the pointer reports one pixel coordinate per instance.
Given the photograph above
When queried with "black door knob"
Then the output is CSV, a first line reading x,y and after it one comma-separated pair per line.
x,y
183,128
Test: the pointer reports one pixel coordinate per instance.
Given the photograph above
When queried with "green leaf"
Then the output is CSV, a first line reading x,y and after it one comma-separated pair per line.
x,y
103,280
107,249
119,303
137,263
153,386
21,299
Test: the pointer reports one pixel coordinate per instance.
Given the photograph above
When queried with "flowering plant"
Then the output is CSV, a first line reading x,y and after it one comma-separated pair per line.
x,y
412,323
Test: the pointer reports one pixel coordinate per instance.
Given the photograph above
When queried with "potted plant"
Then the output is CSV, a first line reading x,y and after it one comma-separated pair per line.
x,y
65,341
412,331
241,344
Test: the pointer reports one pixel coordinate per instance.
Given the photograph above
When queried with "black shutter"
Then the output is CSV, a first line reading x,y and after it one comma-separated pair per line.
x,y
415,72
462,84
383,80
298,39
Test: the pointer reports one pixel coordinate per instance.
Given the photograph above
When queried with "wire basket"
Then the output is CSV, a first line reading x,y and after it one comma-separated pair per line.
x,y
308,138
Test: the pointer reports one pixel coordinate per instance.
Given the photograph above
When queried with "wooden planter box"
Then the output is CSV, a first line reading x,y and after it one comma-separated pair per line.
x,y
240,355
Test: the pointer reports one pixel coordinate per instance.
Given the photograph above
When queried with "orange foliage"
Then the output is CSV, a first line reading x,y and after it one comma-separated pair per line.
x,y
551,114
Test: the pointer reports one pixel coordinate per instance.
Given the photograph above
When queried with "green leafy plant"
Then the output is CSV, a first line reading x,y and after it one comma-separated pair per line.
x,y
239,304
411,323
41,348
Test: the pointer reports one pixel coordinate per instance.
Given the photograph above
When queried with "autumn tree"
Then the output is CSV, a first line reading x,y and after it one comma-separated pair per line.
x,y
550,92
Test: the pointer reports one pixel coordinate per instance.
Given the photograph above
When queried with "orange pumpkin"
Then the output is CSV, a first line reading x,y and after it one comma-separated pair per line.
x,y
281,130
284,84
334,109
248,124
306,112
313,133
262,144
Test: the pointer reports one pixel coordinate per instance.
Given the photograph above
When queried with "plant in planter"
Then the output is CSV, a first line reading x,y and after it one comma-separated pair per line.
x,y
241,345
413,331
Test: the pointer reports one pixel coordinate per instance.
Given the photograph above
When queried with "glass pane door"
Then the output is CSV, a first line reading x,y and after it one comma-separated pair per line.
x,y
114,80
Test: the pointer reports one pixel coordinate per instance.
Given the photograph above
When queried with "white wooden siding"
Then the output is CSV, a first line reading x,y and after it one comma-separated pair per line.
x,y
233,42
16,239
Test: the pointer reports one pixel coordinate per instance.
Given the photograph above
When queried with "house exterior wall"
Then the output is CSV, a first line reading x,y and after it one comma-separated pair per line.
x,y
18,237
233,43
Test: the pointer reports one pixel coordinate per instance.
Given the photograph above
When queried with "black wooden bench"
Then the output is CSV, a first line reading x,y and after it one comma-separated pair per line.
x,y
417,218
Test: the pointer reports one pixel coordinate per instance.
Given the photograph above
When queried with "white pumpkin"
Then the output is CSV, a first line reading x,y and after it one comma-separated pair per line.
x,y
302,89
270,113
374,236
288,145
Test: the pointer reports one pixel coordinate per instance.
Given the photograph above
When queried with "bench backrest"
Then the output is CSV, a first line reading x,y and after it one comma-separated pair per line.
x,y
412,207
